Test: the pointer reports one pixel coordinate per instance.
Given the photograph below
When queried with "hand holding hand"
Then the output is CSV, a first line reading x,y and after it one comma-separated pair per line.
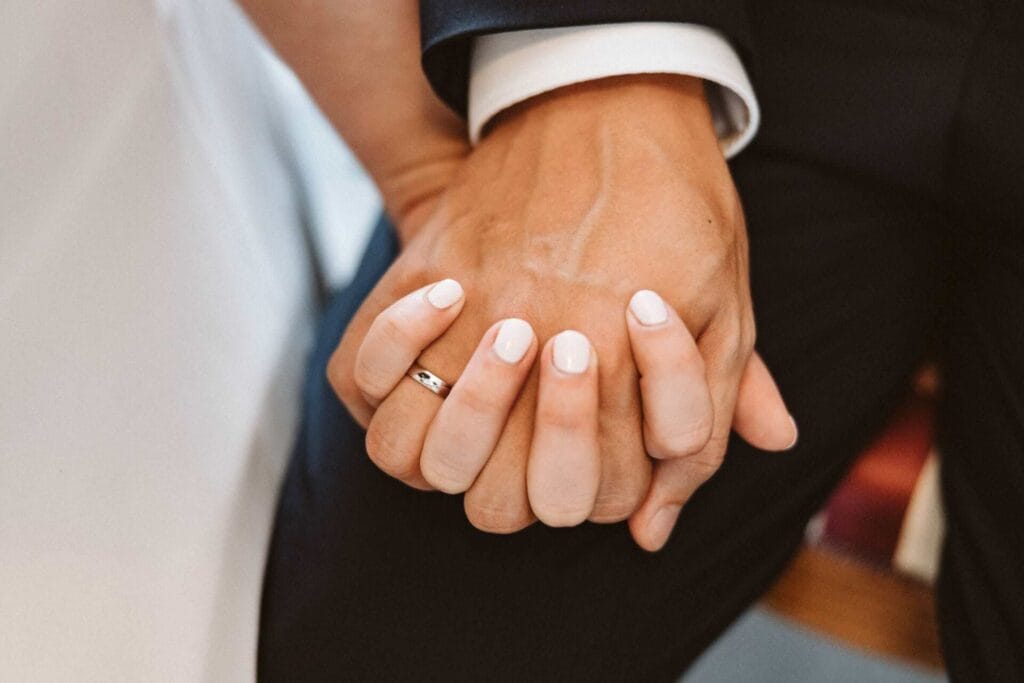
x,y
569,206
575,200
563,462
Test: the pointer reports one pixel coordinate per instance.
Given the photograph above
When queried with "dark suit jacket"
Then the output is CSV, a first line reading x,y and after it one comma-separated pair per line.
x,y
448,27
864,86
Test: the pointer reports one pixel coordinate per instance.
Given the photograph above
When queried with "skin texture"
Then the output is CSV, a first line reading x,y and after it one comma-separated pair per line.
x,y
570,204
563,467
573,201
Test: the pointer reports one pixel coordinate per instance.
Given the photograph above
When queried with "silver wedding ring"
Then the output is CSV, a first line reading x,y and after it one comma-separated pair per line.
x,y
429,380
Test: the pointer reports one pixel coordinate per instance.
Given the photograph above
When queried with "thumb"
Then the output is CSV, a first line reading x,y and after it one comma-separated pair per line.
x,y
761,416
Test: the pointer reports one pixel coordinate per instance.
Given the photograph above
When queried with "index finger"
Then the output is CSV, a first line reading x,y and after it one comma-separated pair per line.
x,y
400,333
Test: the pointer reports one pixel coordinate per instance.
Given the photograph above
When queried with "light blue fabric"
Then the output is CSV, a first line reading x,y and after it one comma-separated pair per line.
x,y
763,648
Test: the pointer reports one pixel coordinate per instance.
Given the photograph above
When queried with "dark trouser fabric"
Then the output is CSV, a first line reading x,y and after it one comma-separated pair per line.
x,y
884,198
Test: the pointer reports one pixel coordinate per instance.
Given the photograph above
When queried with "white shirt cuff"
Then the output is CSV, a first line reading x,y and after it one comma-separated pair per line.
x,y
508,68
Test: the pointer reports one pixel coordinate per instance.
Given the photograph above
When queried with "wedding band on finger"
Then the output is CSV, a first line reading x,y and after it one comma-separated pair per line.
x,y
429,380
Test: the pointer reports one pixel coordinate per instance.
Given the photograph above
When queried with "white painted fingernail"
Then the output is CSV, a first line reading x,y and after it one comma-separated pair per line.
x,y
513,340
444,294
648,308
571,352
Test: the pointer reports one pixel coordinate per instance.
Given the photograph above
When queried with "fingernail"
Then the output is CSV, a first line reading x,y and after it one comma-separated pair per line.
x,y
513,340
648,308
796,434
572,352
444,294
662,523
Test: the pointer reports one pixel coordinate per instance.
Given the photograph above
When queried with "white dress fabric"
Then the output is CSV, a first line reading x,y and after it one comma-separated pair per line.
x,y
156,306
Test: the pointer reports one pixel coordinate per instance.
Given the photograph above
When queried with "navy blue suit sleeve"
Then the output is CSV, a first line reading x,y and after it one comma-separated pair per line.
x,y
448,27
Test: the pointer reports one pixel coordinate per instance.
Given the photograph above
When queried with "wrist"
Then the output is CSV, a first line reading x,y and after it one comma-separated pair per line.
x,y
667,110
410,191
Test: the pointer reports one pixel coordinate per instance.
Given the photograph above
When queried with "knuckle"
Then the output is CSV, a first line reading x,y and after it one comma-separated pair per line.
x,y
562,513
741,333
732,345
370,379
393,333
621,492
496,519
389,454
474,398
444,472
745,340
710,460
615,507
714,266
562,416
704,469
681,438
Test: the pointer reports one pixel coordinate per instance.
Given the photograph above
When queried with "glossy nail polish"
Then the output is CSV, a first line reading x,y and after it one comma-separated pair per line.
x,y
513,340
571,352
648,308
445,294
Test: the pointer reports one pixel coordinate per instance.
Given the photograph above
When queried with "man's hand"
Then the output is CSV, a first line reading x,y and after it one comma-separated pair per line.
x,y
574,201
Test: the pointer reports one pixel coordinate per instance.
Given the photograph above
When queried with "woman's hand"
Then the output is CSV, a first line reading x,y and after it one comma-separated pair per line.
x,y
430,442
574,200
572,203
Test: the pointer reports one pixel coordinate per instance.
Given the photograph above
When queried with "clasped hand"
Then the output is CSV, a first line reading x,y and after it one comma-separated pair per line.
x,y
582,282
